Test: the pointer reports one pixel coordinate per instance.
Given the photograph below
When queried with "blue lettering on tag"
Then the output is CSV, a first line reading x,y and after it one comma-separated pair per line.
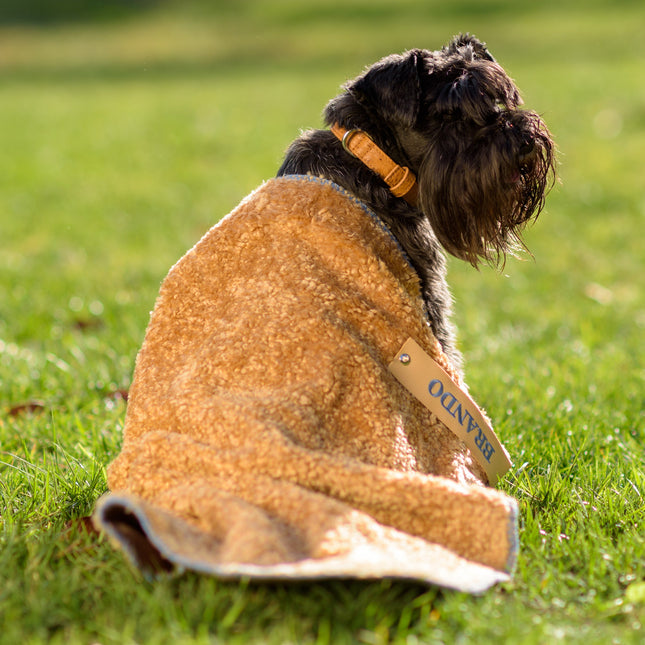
x,y
464,414
448,401
472,424
432,387
483,444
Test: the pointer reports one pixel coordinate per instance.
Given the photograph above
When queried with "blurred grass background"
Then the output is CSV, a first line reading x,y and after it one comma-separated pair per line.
x,y
128,129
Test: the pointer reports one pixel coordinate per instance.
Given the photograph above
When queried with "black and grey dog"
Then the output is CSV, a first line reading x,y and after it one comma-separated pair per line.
x,y
483,164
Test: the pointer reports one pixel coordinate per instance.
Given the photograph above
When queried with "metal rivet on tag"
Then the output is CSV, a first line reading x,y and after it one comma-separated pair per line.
x,y
404,358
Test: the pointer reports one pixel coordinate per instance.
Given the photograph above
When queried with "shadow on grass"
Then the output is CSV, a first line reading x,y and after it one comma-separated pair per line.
x,y
74,578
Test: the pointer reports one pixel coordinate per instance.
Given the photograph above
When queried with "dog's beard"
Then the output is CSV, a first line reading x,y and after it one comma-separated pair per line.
x,y
479,187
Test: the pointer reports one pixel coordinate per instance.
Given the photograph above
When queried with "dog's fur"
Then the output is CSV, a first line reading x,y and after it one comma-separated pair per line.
x,y
483,164
245,452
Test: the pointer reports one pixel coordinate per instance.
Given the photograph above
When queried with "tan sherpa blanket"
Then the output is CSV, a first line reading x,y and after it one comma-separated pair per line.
x,y
264,434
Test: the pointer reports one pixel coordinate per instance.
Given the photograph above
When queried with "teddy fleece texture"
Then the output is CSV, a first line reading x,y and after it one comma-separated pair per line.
x,y
264,435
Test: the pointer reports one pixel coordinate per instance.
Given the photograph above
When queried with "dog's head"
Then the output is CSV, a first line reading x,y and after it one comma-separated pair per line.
x,y
453,116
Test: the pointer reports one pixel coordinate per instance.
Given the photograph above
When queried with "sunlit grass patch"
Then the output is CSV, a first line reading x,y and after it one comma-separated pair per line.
x,y
123,142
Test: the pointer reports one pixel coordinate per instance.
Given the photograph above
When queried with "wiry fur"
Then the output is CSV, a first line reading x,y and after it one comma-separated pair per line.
x,y
483,164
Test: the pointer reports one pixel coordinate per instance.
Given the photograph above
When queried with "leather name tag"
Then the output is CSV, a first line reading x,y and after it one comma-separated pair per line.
x,y
429,383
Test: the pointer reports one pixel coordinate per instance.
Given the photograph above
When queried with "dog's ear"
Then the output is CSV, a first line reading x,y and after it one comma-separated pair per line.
x,y
469,47
392,87
471,83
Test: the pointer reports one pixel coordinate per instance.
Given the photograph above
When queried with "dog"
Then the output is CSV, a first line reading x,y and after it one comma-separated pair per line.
x,y
484,164
265,434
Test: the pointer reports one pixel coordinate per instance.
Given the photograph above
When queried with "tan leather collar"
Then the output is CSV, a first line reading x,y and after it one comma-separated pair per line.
x,y
400,179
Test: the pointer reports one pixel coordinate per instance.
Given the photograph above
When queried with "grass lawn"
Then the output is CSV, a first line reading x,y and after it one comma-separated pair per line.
x,y
122,142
